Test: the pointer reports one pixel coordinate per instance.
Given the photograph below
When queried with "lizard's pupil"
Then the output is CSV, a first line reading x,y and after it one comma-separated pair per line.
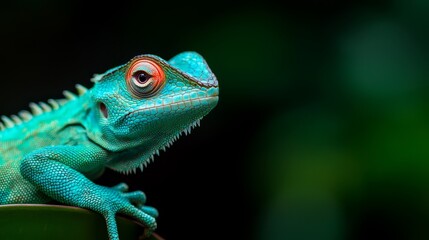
x,y
143,77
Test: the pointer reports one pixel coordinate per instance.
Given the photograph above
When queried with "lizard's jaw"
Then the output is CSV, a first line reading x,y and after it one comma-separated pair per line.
x,y
141,162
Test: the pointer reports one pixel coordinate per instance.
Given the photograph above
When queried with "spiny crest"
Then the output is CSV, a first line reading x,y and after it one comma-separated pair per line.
x,y
169,143
97,77
39,108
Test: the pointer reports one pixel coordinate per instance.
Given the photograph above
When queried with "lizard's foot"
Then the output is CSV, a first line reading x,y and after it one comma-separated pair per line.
x,y
118,200
138,198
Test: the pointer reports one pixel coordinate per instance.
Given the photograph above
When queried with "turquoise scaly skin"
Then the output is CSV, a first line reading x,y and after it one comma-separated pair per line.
x,y
131,112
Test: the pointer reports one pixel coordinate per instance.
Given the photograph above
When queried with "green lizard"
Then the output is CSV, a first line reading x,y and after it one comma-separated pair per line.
x,y
132,111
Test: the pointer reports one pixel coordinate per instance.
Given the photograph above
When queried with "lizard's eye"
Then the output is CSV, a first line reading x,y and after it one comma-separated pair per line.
x,y
145,78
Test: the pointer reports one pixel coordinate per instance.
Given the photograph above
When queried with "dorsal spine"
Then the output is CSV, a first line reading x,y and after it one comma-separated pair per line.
x,y
40,108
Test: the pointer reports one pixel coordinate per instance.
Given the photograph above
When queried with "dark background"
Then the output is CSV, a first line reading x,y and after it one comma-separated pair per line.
x,y
321,131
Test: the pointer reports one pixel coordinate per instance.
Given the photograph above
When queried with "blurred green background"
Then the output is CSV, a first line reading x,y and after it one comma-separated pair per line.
x,y
322,129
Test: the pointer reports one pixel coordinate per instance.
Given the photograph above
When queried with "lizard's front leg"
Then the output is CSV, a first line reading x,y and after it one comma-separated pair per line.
x,y
56,171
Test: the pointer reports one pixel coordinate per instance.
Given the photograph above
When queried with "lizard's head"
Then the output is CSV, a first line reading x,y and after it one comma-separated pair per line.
x,y
146,104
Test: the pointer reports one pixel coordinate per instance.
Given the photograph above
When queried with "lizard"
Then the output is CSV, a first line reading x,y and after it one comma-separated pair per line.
x,y
132,111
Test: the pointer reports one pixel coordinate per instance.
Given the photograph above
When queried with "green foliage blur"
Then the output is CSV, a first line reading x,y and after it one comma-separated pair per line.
x,y
343,148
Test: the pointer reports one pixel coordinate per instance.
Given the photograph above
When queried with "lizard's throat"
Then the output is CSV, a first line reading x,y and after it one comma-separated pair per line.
x,y
130,160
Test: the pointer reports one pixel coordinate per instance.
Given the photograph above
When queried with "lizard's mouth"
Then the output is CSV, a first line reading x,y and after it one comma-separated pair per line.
x,y
170,106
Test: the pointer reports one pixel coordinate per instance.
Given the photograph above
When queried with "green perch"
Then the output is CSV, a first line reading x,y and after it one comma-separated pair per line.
x,y
131,113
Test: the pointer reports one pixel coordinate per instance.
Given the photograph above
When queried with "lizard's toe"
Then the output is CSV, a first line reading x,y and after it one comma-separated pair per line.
x,y
150,210
136,197
121,187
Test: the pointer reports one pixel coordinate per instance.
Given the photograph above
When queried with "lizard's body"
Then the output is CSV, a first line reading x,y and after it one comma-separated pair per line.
x,y
132,112
49,128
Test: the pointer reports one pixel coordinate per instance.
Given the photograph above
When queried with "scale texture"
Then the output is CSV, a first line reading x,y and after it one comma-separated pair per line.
x,y
133,111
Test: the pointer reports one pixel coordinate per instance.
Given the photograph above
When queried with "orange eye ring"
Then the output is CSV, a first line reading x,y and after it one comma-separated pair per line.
x,y
145,78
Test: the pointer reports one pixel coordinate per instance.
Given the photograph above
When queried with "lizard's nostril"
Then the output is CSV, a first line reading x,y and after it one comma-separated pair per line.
x,y
103,109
